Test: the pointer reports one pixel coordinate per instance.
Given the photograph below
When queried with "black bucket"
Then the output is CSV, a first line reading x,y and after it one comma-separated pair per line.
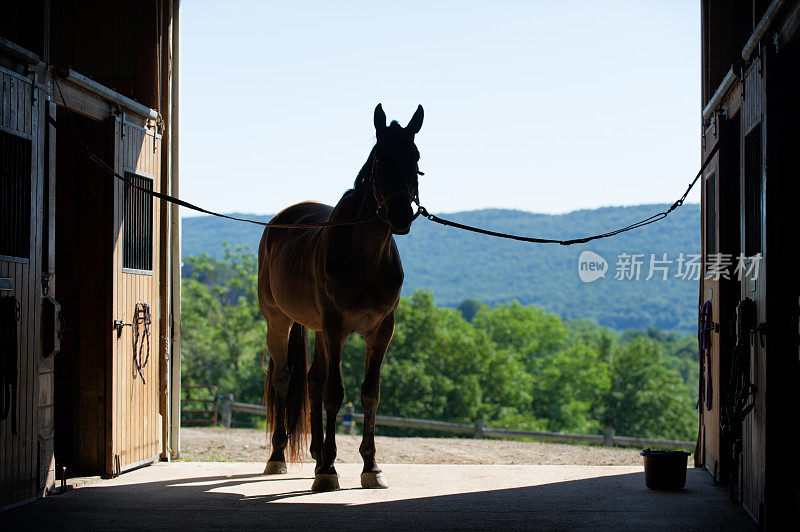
x,y
665,470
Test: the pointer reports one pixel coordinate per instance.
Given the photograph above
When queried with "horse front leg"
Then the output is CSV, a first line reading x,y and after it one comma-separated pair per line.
x,y
325,477
377,343
317,375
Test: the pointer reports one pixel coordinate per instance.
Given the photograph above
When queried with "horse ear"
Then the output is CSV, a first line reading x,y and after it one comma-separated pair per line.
x,y
380,118
415,124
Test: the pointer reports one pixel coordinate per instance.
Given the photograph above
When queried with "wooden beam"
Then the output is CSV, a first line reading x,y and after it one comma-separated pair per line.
x,y
761,29
81,101
789,32
18,52
165,78
719,95
110,95
175,243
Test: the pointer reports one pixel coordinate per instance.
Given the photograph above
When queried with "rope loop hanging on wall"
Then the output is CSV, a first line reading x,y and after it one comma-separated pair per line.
x,y
141,344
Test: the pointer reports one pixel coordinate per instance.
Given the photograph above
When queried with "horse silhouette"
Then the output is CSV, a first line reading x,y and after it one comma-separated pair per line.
x,y
336,280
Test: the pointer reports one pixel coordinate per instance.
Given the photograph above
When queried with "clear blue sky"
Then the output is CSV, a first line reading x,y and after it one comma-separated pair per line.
x,y
542,106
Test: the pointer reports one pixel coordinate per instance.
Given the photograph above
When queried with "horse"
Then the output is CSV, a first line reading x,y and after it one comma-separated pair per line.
x,y
338,279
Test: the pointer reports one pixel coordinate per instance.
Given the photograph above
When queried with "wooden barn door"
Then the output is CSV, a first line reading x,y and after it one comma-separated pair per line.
x,y
720,207
135,419
753,238
21,193
710,291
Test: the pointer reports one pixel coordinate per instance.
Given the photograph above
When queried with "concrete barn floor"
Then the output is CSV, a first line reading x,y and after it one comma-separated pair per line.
x,y
236,496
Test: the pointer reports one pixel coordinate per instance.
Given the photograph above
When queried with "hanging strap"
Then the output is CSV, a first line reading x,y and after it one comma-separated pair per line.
x,y
704,342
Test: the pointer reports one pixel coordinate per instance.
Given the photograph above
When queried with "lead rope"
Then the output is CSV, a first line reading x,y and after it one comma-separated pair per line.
x,y
420,209
141,316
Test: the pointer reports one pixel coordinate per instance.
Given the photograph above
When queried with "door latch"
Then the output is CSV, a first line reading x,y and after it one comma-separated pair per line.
x,y
761,330
119,325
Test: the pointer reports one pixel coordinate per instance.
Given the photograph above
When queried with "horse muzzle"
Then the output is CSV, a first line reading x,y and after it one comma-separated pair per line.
x,y
396,231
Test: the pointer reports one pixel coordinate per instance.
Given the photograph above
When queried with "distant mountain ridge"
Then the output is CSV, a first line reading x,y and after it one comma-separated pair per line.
x,y
456,265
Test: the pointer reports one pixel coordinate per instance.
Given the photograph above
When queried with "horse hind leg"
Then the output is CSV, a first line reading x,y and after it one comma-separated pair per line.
x,y
325,477
278,375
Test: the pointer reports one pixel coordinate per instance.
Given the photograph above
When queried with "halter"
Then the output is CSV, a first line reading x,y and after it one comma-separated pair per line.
x,y
382,200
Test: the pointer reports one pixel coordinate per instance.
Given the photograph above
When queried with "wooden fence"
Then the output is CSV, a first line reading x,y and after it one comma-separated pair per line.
x,y
204,409
478,430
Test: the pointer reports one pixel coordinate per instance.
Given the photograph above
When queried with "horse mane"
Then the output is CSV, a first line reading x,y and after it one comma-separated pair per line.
x,y
363,175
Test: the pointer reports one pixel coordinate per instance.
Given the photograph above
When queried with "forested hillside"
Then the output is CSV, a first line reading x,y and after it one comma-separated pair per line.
x,y
515,365
455,265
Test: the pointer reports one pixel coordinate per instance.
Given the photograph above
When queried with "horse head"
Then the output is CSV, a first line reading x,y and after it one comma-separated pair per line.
x,y
395,170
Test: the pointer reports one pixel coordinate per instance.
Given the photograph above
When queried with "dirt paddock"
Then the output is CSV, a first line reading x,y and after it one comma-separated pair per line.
x,y
212,444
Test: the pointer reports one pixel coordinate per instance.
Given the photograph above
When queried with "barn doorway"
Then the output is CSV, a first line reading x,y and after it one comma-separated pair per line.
x,y
83,240
107,377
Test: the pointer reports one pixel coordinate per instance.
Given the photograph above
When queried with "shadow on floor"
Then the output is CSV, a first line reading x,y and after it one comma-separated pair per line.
x,y
606,502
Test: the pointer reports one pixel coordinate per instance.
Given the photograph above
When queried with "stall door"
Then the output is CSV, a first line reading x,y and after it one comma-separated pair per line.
x,y
720,201
709,400
753,286
21,186
135,419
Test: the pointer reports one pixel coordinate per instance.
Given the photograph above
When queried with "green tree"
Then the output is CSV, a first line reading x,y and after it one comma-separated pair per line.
x,y
569,389
439,367
222,328
528,331
646,398
470,307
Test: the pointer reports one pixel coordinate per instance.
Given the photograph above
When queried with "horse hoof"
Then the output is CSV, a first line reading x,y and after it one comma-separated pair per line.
x,y
275,468
372,480
325,482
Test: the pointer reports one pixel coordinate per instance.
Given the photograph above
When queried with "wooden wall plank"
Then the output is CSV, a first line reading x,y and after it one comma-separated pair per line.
x,y
122,359
11,117
118,412
47,366
115,411
8,270
128,305
27,102
131,438
126,361
5,433
129,142
3,97
29,305
22,376
37,165
32,281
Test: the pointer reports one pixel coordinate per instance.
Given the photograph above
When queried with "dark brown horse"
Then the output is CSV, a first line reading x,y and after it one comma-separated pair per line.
x,y
335,280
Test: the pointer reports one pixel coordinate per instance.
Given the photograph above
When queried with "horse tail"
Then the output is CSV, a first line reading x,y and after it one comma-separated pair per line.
x,y
296,419
298,424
